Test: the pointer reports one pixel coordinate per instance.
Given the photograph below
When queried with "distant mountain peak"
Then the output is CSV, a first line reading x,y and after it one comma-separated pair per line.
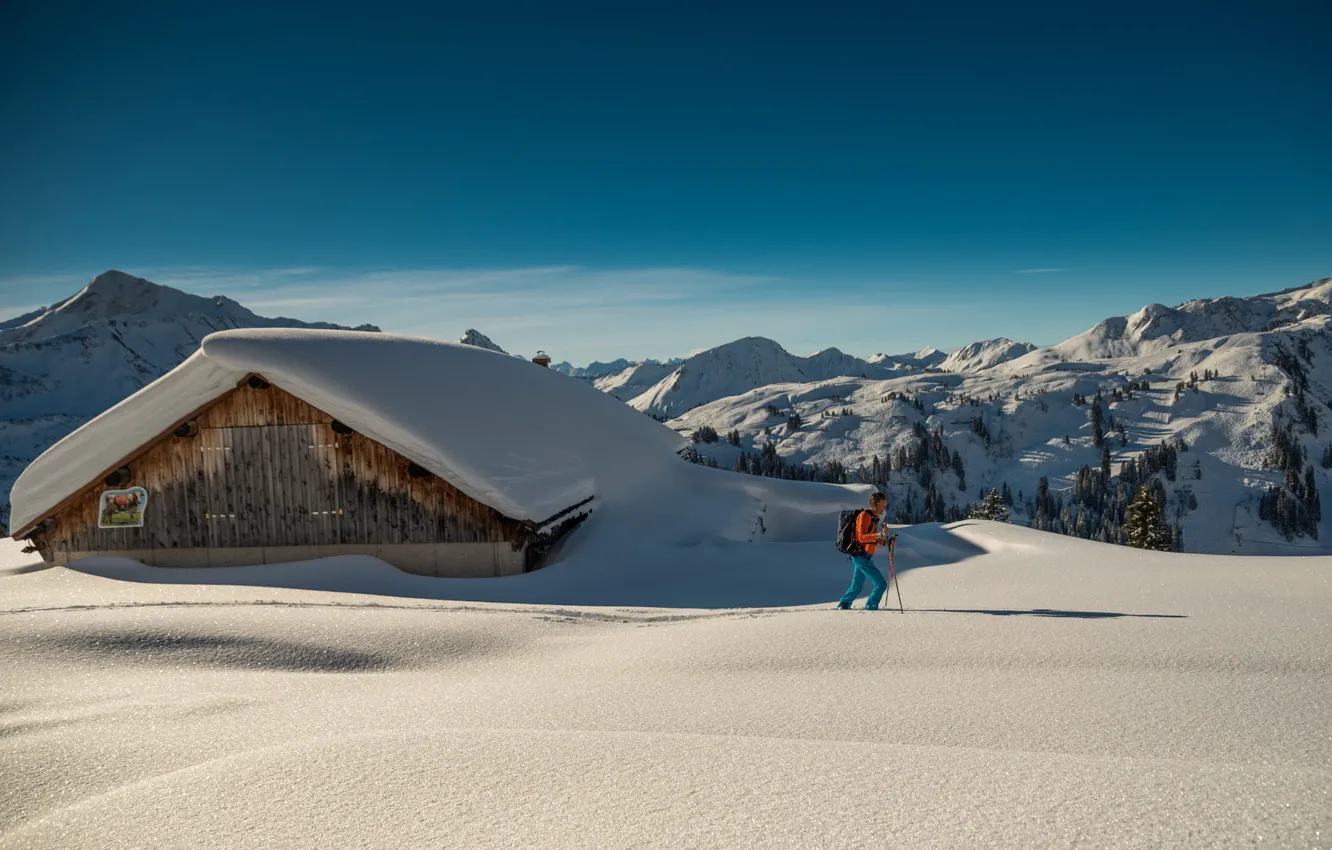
x,y
480,340
64,364
114,291
985,354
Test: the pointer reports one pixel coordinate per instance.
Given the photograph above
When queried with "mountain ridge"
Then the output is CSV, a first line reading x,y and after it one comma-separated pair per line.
x,y
66,363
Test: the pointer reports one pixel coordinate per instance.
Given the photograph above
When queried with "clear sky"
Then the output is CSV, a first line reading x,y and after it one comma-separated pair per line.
x,y
649,179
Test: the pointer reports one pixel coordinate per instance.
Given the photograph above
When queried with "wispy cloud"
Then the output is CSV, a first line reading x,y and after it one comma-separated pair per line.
x,y
1039,271
575,313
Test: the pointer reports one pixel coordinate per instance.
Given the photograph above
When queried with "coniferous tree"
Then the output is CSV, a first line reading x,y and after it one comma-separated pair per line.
x,y
1144,525
1105,463
1098,424
991,507
793,422
705,434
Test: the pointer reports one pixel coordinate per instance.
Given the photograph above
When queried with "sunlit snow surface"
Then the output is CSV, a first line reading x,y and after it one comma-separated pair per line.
x,y
1038,691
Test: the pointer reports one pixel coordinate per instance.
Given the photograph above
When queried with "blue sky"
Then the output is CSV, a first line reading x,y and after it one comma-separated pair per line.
x,y
646,180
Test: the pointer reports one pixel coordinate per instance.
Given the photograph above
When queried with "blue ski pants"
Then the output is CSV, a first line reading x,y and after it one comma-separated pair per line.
x,y
863,566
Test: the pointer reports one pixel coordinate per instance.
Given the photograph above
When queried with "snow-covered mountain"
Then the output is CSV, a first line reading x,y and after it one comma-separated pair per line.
x,y
595,369
474,337
1245,364
1005,414
926,358
1157,327
635,380
743,365
64,364
984,355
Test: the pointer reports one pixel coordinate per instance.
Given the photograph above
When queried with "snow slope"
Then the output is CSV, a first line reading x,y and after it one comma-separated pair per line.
x,y
64,364
744,365
983,355
633,381
1039,691
531,444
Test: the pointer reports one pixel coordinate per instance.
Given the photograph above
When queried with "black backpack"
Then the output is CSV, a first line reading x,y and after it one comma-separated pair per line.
x,y
846,532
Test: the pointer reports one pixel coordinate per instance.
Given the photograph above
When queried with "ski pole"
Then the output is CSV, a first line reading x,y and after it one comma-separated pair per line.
x,y
892,572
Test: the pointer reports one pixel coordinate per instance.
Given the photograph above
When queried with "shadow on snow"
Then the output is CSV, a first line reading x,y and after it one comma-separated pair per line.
x,y
1046,612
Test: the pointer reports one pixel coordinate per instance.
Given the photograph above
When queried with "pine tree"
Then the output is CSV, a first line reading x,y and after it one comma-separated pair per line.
x,y
1105,463
1098,425
1144,526
705,434
991,507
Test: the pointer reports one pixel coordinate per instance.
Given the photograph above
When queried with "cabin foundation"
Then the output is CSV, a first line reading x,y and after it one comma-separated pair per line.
x,y
444,560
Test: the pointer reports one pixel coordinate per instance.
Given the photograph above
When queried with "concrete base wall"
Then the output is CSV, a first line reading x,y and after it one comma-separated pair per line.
x,y
444,560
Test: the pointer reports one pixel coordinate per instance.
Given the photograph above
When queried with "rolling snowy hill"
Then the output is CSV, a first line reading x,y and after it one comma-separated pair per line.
x,y
1038,691
64,364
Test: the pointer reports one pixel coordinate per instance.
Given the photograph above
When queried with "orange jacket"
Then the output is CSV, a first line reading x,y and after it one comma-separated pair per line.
x,y
867,531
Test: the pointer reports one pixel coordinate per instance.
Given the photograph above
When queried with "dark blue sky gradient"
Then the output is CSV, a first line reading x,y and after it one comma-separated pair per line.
x,y
1181,148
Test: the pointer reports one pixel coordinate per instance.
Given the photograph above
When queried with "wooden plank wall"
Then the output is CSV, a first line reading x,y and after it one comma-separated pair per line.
x,y
267,469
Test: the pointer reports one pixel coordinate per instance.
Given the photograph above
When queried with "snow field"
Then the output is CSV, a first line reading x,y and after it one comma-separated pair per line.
x,y
1040,691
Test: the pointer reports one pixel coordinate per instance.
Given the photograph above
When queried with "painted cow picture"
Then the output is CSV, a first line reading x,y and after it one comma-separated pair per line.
x,y
122,508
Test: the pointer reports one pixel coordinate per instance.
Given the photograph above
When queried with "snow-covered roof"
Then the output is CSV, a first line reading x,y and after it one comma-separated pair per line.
x,y
521,438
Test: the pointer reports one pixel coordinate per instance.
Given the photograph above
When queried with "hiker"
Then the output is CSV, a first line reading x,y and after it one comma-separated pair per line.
x,y
866,539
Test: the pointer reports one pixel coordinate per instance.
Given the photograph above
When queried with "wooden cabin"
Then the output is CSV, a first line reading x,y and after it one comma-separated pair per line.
x,y
257,475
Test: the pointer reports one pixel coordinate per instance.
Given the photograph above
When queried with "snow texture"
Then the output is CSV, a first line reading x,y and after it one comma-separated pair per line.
x,y
520,438
1039,691
62,365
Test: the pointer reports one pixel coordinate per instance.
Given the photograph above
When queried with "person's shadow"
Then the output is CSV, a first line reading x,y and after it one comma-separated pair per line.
x,y
1044,612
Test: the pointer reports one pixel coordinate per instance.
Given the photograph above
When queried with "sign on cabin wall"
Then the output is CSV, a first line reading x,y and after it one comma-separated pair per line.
x,y
122,508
